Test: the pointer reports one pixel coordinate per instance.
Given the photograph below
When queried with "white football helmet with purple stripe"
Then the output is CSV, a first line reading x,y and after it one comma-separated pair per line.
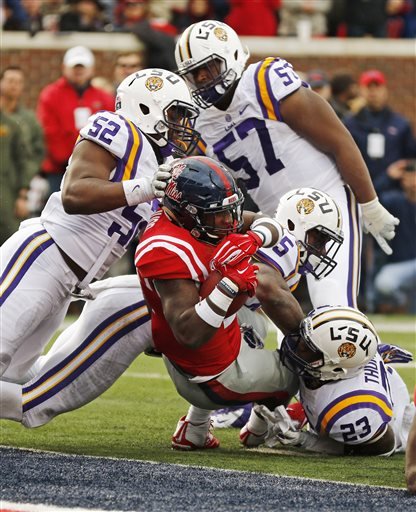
x,y
216,47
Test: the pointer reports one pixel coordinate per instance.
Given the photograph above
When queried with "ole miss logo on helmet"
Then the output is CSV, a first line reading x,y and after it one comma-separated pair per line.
x,y
172,188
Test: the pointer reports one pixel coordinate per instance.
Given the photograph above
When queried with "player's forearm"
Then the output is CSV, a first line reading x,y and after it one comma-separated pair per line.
x,y
92,195
411,459
354,171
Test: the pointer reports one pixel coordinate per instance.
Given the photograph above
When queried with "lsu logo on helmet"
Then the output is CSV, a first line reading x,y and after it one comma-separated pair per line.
x,y
154,83
305,206
347,350
221,34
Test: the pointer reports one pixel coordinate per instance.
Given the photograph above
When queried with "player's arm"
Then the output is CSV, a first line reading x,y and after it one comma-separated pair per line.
x,y
277,300
411,459
194,321
179,298
313,118
87,188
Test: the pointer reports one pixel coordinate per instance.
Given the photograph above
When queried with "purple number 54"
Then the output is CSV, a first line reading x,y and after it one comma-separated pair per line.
x,y
105,128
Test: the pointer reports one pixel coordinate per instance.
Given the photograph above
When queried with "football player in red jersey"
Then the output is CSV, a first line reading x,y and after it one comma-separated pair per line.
x,y
202,347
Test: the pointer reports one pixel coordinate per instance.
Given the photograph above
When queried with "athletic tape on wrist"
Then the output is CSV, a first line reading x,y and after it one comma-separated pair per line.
x,y
228,287
260,227
205,312
219,300
137,191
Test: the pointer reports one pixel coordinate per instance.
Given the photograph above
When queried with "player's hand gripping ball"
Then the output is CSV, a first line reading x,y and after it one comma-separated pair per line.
x,y
211,282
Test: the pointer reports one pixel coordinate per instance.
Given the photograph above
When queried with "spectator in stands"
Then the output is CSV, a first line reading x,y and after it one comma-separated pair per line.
x,y
64,107
192,12
12,84
395,283
344,94
83,16
335,19
383,136
14,178
366,18
127,63
24,15
157,35
319,82
295,13
255,18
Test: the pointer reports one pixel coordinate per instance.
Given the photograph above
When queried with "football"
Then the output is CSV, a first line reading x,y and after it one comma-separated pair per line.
x,y
211,282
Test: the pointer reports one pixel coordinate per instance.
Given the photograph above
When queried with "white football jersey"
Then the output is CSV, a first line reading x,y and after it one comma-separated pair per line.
x,y
85,237
285,258
254,141
353,410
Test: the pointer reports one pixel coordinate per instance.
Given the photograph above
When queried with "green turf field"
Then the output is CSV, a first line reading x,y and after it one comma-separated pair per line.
x,y
136,418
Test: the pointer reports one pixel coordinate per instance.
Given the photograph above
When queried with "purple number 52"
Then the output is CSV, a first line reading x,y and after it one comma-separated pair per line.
x,y
107,131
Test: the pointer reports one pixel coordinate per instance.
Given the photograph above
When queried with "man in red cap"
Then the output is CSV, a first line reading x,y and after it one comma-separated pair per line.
x,y
382,135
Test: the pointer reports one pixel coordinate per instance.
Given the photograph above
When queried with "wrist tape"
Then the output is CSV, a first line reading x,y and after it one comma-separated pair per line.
x,y
138,191
262,227
213,308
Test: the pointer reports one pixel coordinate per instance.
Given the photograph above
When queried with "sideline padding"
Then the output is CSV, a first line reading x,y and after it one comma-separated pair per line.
x,y
124,485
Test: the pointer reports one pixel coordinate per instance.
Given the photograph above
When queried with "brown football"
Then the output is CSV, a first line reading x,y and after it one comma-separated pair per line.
x,y
211,282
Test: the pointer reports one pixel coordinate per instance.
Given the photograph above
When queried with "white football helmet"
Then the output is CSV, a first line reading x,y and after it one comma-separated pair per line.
x,y
314,219
333,342
159,103
216,47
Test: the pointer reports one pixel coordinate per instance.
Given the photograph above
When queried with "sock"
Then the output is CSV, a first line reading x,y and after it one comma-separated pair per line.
x,y
11,407
256,424
197,416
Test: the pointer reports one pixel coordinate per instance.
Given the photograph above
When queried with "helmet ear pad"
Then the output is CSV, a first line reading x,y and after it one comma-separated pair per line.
x,y
199,190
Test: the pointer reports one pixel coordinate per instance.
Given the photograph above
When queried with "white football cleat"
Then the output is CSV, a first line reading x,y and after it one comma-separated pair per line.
x,y
191,436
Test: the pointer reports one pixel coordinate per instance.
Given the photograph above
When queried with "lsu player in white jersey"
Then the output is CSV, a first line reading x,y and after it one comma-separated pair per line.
x,y
105,200
276,134
355,403
88,356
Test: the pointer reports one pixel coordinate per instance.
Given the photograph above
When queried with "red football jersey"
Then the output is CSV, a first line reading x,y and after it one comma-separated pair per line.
x,y
167,251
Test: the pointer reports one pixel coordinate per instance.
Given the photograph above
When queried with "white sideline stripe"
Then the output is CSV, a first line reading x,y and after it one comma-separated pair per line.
x,y
405,327
138,375
29,507
220,470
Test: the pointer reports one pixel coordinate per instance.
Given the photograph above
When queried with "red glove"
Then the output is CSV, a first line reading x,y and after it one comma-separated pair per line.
x,y
235,248
243,274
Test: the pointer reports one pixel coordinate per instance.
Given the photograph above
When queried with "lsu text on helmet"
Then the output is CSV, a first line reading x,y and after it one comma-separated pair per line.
x,y
213,49
203,197
333,342
159,103
315,220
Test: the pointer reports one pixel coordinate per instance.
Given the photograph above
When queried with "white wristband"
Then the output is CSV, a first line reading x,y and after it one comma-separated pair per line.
x,y
220,301
262,227
205,312
138,191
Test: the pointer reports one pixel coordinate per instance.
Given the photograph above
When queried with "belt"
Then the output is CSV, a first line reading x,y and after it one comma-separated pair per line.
x,y
76,269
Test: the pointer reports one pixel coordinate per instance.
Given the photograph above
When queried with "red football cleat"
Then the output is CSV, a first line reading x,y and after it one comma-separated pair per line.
x,y
190,436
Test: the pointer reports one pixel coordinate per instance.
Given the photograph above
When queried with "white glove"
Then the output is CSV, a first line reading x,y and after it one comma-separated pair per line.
x,y
280,427
160,180
379,222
